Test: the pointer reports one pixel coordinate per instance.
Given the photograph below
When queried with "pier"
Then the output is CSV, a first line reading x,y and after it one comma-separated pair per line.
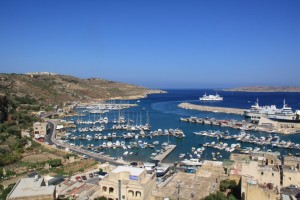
x,y
265,125
211,108
162,156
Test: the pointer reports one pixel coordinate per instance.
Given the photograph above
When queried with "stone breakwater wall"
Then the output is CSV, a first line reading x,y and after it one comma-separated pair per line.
x,y
211,108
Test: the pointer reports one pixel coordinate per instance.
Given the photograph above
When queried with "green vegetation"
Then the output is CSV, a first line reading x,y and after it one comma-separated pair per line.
x,y
11,143
216,196
232,187
100,198
6,191
226,186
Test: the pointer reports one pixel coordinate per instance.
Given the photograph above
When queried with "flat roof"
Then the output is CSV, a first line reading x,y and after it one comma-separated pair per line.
x,y
27,187
134,171
212,163
291,158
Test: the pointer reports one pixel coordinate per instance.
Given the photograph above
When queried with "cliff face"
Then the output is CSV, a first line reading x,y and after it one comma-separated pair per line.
x,y
4,108
55,89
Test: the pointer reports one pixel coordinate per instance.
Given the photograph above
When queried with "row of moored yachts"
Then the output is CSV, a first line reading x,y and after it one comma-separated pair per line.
x,y
272,140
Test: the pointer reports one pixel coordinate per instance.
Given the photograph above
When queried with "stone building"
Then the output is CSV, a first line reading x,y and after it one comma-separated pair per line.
x,y
128,183
40,128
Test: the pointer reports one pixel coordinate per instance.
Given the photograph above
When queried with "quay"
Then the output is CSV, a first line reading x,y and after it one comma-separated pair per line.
x,y
264,125
211,108
162,156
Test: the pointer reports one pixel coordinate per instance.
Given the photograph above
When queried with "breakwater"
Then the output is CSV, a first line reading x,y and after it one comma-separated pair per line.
x,y
211,108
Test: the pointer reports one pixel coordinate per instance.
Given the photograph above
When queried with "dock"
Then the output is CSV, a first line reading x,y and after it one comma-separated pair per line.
x,y
162,156
211,108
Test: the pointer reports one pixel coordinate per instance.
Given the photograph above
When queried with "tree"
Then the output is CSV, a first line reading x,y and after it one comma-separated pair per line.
x,y
6,191
227,184
235,190
231,197
216,196
100,198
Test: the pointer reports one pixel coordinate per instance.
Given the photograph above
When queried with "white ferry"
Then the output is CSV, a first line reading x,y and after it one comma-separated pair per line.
x,y
211,97
271,112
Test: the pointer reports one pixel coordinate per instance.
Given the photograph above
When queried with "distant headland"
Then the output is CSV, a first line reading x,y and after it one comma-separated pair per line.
x,y
264,89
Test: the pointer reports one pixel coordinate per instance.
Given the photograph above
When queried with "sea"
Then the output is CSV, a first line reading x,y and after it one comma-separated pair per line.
x,y
162,112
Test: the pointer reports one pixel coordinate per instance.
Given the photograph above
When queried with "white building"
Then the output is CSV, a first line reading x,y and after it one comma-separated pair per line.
x,y
32,188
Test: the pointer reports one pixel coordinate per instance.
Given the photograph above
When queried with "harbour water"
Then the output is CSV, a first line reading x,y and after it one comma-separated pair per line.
x,y
164,113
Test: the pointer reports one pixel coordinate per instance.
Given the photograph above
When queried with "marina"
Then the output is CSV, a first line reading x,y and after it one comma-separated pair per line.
x,y
137,133
241,125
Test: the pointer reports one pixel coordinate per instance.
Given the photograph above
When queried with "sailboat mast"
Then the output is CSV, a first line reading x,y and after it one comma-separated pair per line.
x,y
148,118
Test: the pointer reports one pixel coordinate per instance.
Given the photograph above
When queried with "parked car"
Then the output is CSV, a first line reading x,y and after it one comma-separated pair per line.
x,y
95,174
292,186
78,178
102,175
84,177
91,175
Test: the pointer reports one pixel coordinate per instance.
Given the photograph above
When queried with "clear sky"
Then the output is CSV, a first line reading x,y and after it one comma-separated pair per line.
x,y
155,43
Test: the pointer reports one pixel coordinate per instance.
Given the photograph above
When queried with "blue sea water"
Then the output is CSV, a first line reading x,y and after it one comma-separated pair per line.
x,y
164,113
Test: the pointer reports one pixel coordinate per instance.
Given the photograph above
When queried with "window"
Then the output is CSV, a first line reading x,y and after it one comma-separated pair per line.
x,y
123,196
131,193
272,174
111,190
104,189
262,173
138,194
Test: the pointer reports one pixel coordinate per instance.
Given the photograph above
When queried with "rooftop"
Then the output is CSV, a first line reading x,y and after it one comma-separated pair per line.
x,y
132,170
291,158
191,186
31,187
212,163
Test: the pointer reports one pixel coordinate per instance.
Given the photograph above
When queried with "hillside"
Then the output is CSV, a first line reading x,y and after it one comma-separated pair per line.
x,y
55,89
264,89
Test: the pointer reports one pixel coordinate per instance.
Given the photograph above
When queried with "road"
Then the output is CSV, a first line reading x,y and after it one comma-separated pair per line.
x,y
50,139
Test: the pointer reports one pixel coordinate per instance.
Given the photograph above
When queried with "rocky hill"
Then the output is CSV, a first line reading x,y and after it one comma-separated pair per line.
x,y
55,89
264,89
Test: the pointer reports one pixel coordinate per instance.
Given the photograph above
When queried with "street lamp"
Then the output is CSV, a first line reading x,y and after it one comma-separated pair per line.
x,y
178,187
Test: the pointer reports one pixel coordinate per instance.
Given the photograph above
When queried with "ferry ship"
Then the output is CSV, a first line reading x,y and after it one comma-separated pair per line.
x,y
284,114
211,97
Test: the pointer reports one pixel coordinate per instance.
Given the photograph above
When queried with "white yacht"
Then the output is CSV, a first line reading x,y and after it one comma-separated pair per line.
x,y
211,97
271,112
192,162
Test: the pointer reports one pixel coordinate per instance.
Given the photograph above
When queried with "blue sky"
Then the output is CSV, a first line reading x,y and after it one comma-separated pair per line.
x,y
155,43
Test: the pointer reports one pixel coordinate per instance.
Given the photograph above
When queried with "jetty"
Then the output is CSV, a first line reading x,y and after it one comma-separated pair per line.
x,y
211,108
162,156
